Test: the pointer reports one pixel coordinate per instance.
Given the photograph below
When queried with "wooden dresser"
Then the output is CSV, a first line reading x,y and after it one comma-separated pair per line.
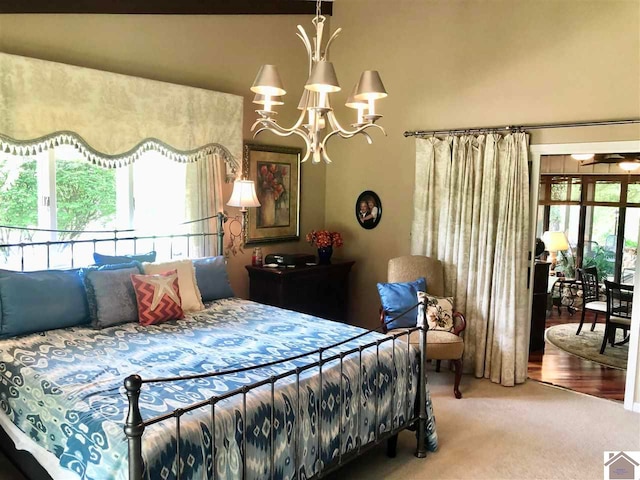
x,y
320,290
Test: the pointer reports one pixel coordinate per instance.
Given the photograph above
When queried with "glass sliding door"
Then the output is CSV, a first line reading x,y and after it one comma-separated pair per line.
x,y
601,226
600,216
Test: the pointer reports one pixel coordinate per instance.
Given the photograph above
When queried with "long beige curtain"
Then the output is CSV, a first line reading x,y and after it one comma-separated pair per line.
x,y
204,199
471,211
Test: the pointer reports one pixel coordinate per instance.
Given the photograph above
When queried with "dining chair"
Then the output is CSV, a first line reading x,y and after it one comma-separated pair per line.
x,y
619,306
590,296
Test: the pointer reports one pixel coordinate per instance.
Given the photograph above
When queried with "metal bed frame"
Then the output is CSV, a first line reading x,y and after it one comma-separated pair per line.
x,y
135,425
116,236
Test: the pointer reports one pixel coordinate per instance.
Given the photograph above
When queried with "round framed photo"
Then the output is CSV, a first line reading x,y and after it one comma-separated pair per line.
x,y
368,209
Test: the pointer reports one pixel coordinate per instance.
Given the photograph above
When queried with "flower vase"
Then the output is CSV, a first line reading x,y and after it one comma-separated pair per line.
x,y
324,255
267,209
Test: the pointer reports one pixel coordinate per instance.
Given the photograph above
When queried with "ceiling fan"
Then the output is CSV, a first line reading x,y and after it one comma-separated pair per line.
x,y
626,161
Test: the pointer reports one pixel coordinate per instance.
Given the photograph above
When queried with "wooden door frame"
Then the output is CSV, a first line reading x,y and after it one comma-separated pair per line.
x,y
630,403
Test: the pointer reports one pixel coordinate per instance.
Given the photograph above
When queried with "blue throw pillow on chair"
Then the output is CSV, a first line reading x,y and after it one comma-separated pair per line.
x,y
398,297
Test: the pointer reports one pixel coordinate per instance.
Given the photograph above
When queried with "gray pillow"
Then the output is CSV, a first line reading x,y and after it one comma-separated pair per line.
x,y
110,294
211,275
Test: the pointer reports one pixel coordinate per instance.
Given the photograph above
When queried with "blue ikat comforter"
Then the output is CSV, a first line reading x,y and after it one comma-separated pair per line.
x,y
64,389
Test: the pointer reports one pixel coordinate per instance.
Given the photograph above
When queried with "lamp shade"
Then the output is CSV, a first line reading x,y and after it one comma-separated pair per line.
x,y
352,102
259,99
268,81
370,86
630,165
582,156
555,241
244,194
323,78
304,99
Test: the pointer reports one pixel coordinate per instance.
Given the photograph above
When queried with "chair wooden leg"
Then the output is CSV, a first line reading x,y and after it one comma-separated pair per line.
x,y
392,446
595,319
438,365
604,338
584,311
456,386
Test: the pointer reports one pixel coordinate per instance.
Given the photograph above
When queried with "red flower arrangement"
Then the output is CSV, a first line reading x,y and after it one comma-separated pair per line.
x,y
324,238
271,179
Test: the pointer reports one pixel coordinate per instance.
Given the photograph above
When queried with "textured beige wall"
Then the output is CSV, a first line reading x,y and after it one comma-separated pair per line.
x,y
220,53
449,64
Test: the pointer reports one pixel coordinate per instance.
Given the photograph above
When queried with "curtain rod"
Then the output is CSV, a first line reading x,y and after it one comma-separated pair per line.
x,y
519,128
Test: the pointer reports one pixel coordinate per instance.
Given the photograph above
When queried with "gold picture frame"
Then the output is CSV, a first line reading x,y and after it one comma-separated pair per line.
x,y
276,173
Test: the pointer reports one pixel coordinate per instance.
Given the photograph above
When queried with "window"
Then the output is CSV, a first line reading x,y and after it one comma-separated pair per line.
x,y
59,190
601,217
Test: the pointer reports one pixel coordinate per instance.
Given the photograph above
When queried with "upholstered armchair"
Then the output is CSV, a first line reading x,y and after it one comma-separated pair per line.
x,y
441,345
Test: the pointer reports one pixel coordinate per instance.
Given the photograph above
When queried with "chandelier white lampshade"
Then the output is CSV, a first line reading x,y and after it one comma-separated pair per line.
x,y
317,122
268,82
323,78
243,195
370,86
359,105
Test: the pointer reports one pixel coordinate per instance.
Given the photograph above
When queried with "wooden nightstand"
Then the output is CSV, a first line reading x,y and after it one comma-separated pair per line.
x,y
320,290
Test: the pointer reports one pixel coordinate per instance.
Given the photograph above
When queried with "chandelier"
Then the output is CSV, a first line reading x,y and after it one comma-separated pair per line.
x,y
317,122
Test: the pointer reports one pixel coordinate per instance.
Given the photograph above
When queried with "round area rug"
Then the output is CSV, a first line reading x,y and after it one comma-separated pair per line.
x,y
587,344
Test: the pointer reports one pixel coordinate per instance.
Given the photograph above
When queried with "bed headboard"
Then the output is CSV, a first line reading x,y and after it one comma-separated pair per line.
x,y
39,249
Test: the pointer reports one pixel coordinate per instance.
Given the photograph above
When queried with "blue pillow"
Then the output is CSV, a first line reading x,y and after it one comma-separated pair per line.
x,y
39,301
398,297
212,279
101,259
110,294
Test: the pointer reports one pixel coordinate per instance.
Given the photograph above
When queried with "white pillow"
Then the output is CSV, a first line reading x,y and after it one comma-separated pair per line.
x,y
189,292
439,312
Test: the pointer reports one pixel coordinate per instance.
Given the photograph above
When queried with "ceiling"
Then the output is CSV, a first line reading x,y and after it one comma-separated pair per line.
x,y
167,7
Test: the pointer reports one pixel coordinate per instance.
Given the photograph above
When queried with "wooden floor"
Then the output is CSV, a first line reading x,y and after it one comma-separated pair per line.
x,y
560,368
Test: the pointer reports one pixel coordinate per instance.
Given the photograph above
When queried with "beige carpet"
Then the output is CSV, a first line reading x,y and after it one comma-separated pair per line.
x,y
532,431
587,344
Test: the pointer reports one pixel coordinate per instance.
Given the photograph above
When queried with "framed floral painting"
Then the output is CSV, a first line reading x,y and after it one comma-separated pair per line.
x,y
276,173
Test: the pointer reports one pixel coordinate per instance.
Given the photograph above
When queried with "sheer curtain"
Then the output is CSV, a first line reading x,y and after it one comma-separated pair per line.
x,y
471,211
204,199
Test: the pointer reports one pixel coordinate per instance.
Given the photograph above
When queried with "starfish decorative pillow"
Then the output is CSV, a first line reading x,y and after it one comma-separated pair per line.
x,y
158,297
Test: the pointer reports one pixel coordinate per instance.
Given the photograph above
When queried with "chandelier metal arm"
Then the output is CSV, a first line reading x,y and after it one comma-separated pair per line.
x,y
333,37
268,122
273,127
307,45
344,133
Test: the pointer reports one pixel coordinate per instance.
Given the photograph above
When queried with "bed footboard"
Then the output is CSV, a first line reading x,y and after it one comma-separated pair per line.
x,y
331,362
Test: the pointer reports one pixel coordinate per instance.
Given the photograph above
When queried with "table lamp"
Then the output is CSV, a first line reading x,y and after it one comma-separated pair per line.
x,y
555,242
243,196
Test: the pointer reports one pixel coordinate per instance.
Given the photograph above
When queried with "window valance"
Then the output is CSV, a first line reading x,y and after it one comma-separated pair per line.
x,y
111,118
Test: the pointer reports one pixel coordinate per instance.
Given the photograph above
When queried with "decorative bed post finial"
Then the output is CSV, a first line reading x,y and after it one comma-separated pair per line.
x,y
134,426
